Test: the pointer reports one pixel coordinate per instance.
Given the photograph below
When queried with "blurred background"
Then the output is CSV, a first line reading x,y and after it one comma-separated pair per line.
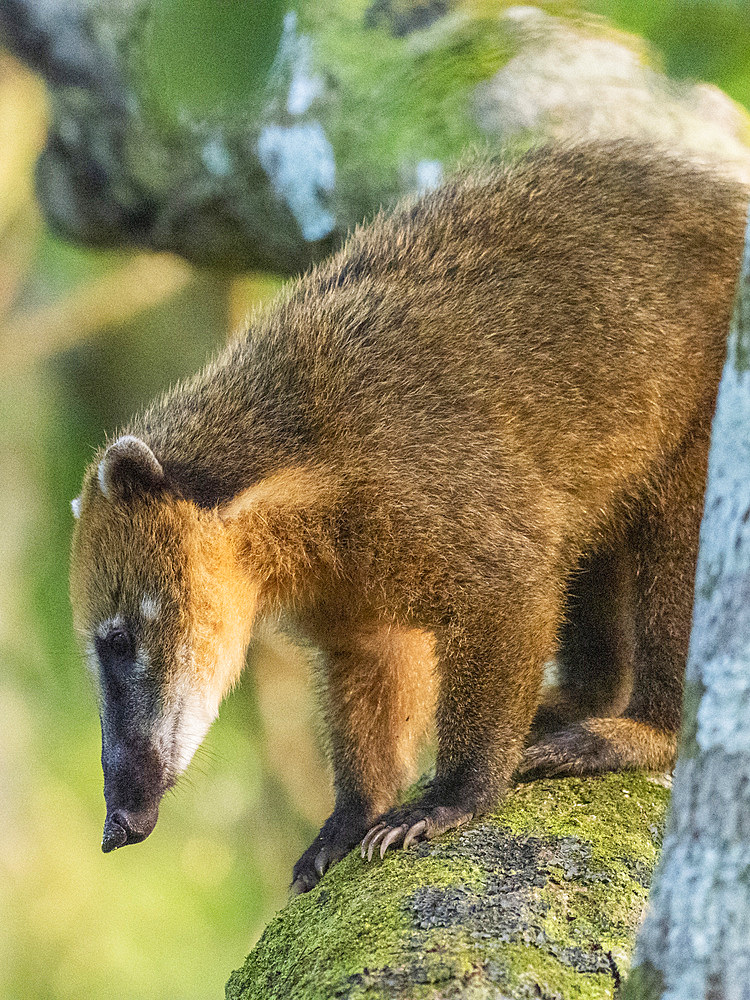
x,y
87,337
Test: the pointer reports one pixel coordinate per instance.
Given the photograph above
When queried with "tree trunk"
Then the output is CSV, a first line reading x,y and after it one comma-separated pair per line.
x,y
246,135
695,943
540,899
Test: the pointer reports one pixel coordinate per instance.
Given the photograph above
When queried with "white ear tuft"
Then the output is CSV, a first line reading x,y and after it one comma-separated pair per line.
x,y
129,466
75,506
101,477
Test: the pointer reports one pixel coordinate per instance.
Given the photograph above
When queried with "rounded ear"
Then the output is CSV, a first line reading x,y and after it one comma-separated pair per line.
x,y
128,467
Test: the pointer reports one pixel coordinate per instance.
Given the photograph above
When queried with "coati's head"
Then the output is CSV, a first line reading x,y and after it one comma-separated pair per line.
x,y
164,614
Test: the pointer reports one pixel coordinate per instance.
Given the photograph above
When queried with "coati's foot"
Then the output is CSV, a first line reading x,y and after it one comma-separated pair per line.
x,y
598,745
337,837
404,826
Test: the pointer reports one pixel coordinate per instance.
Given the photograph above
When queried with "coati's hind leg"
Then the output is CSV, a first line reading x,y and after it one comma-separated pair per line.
x,y
595,656
378,702
665,541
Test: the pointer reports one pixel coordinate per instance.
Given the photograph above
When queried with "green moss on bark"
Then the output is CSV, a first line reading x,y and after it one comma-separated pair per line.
x,y
540,899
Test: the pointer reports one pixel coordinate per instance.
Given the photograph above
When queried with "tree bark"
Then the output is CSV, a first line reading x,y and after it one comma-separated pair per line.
x,y
335,112
695,943
540,899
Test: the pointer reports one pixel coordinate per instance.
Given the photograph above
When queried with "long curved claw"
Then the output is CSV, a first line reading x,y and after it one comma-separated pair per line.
x,y
321,862
376,840
395,834
405,826
368,837
414,832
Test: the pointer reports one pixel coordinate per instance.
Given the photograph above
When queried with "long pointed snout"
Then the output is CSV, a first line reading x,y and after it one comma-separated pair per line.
x,y
124,826
134,782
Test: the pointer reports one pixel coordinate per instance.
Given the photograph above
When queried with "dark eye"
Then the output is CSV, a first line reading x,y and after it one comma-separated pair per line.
x,y
119,643
116,646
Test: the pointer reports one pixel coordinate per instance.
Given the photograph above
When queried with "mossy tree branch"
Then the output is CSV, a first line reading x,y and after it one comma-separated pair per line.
x,y
540,899
254,136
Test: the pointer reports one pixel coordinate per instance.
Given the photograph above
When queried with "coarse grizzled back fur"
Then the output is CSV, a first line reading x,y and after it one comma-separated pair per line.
x,y
475,437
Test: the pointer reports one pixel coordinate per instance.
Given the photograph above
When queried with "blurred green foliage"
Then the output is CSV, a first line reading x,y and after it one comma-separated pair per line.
x,y
201,62
698,39
172,917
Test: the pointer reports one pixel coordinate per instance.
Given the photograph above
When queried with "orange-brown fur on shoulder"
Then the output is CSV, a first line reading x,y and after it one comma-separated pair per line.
x,y
282,528
474,438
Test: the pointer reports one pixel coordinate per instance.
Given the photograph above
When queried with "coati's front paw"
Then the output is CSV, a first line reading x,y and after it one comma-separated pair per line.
x,y
335,840
404,826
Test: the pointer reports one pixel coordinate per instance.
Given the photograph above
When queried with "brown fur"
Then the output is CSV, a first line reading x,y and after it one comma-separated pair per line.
x,y
476,434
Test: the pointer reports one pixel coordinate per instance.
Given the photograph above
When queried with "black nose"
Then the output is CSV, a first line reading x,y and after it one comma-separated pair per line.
x,y
122,826
115,835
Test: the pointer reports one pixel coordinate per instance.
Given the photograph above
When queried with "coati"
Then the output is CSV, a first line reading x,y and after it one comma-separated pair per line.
x,y
473,439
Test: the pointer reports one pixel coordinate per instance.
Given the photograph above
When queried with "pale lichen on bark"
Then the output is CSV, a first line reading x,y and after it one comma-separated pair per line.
x,y
695,943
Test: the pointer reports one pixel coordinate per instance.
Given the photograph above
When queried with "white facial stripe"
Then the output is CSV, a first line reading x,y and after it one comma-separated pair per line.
x,y
181,730
195,721
187,717
75,506
150,607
